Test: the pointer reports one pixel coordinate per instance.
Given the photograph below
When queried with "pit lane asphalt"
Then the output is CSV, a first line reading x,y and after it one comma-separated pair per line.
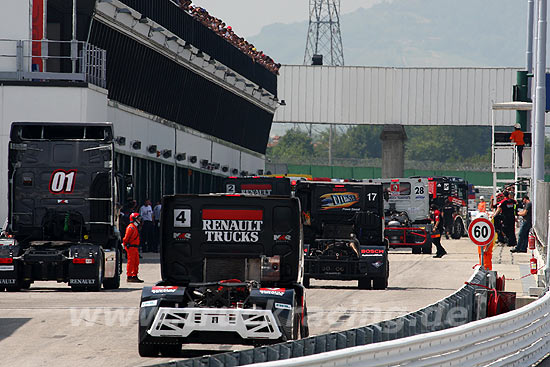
x,y
50,325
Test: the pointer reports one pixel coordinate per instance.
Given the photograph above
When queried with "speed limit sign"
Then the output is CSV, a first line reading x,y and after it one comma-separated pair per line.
x,y
481,231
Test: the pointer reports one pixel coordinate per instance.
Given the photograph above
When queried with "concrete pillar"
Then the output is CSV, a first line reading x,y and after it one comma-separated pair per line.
x,y
393,151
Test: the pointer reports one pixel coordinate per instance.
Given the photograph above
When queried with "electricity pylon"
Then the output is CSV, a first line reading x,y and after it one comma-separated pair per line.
x,y
324,36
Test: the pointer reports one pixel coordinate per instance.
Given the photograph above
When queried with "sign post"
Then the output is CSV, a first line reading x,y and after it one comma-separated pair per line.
x,y
482,232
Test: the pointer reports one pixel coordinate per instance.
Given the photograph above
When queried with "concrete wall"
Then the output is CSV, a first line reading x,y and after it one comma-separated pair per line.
x,y
73,104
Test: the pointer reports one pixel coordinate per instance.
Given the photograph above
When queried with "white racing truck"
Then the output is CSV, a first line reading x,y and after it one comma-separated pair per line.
x,y
407,213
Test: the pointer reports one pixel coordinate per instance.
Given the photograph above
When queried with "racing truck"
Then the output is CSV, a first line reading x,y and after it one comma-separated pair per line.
x,y
263,186
407,213
231,267
344,232
457,190
62,221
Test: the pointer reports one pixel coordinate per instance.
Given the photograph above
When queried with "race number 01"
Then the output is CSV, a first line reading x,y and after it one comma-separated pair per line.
x,y
481,231
62,182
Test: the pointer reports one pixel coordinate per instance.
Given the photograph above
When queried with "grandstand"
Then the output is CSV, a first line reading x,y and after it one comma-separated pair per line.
x,y
188,107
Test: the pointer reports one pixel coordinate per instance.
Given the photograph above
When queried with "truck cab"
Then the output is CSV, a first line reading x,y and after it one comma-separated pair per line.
x,y
407,213
232,268
62,206
344,232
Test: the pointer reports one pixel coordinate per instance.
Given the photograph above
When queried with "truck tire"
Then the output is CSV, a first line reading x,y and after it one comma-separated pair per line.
x,y
306,281
304,326
364,283
170,350
458,229
114,283
148,350
416,250
427,248
380,283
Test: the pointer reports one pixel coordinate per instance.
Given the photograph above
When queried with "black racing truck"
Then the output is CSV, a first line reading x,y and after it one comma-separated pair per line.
x,y
457,190
232,267
262,186
62,222
344,232
407,213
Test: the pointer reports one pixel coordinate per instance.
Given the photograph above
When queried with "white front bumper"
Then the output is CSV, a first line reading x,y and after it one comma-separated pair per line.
x,y
248,323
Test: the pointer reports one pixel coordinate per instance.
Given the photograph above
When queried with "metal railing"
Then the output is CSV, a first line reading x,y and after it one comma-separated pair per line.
x,y
40,60
451,313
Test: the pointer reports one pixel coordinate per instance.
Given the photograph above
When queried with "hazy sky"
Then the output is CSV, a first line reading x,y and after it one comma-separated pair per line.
x,y
247,17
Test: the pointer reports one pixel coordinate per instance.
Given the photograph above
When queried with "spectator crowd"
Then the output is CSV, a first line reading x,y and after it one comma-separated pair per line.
x,y
225,31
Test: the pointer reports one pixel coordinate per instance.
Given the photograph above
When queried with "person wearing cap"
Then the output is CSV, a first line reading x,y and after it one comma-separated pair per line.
x,y
517,138
482,206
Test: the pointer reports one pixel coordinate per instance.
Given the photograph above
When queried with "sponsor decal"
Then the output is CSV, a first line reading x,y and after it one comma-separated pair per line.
x,y
457,201
82,281
7,267
338,200
378,264
372,251
420,197
8,281
282,237
63,201
273,291
257,189
232,225
161,289
182,236
149,303
283,306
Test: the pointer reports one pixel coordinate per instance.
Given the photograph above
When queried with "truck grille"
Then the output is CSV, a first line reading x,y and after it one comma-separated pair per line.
x,y
243,269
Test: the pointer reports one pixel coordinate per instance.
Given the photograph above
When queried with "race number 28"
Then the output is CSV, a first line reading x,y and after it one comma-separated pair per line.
x,y
62,181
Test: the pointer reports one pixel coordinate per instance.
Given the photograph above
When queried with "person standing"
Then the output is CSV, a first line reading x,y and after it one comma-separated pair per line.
x,y
527,214
436,232
517,138
507,208
131,245
448,212
482,206
147,230
156,220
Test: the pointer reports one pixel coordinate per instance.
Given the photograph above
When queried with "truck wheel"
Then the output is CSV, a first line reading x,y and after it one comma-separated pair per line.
x,y
26,284
306,281
99,278
416,250
170,350
304,326
458,229
364,283
427,248
148,350
114,283
380,283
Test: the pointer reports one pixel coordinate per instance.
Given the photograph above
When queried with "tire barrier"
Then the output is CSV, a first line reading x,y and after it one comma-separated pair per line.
x,y
455,310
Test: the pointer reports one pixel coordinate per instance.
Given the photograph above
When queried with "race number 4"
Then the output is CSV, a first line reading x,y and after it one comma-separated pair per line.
x,y
62,181
182,218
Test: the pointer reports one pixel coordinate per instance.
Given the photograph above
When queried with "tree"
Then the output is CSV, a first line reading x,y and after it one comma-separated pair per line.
x,y
294,144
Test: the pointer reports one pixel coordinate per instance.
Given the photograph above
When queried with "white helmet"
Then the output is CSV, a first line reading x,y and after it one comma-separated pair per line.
x,y
481,197
517,126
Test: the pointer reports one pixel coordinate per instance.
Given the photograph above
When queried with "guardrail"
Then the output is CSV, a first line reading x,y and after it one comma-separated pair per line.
x,y
52,60
457,309
517,338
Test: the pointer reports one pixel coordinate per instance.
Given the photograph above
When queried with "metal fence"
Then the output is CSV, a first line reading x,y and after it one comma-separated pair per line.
x,y
39,60
455,310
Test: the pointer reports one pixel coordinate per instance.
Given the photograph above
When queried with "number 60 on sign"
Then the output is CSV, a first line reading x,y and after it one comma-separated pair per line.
x,y
481,231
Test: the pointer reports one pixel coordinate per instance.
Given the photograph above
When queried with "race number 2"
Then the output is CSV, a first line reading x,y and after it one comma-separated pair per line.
x,y
62,181
182,218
